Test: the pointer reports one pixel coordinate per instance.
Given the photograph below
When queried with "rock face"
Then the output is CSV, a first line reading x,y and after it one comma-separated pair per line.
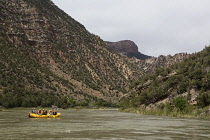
x,y
149,65
124,46
145,63
57,54
128,48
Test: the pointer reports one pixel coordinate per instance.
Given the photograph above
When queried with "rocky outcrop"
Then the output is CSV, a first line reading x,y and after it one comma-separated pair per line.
x,y
128,48
149,65
206,113
124,46
145,63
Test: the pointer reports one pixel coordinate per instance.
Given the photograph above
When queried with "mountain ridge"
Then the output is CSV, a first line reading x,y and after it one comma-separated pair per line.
x,y
57,58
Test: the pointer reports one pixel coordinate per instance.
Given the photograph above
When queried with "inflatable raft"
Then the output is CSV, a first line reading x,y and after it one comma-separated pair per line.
x,y
32,115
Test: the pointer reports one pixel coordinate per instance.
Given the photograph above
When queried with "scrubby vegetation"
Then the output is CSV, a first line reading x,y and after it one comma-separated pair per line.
x,y
47,57
172,82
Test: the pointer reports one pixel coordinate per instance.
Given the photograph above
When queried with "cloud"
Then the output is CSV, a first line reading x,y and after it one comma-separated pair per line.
x,y
157,27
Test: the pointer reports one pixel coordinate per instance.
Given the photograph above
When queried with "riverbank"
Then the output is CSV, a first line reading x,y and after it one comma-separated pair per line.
x,y
203,113
77,108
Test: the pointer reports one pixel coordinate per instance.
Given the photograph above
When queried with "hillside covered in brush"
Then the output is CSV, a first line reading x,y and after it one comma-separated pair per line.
x,y
175,86
47,57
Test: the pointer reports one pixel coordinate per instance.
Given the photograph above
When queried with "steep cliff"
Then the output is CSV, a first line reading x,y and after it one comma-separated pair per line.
x,y
128,48
47,57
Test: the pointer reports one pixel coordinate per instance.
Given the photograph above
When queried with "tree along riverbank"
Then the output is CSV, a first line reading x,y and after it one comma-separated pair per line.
x,y
203,113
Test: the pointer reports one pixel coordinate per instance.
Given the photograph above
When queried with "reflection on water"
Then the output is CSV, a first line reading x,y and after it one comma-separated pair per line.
x,y
100,124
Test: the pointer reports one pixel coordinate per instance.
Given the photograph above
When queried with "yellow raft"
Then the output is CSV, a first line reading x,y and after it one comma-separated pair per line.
x,y
32,115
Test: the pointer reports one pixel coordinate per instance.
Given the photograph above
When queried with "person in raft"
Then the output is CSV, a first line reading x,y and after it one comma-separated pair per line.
x,y
50,112
40,111
54,112
33,110
44,112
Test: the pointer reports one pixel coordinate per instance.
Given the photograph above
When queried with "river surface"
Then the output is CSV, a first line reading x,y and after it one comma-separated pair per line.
x,y
90,124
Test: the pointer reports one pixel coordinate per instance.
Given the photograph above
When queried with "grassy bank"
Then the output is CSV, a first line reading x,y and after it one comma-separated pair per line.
x,y
191,113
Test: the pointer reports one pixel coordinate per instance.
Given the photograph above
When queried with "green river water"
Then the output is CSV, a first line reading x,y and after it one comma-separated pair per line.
x,y
90,124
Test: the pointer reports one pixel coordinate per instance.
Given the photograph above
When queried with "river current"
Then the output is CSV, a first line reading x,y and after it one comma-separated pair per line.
x,y
106,124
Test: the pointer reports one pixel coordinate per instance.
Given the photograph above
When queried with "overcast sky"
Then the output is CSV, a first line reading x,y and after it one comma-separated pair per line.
x,y
158,27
